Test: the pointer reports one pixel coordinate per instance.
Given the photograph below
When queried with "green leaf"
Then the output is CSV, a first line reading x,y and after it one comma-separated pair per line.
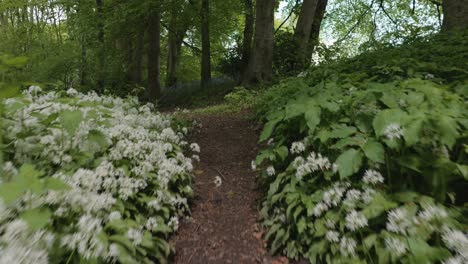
x,y
282,152
378,206
342,131
448,129
387,117
36,218
71,120
312,117
349,162
268,129
56,184
374,151
97,137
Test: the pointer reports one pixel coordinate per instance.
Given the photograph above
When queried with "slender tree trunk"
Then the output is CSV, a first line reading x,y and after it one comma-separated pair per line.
x,y
83,74
455,15
261,62
175,37
101,49
154,55
248,33
206,49
137,61
316,25
303,32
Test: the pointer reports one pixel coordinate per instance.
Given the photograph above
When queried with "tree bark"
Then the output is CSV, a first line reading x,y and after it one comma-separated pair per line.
x,y
206,47
154,55
303,32
248,33
455,15
316,25
261,62
137,61
101,49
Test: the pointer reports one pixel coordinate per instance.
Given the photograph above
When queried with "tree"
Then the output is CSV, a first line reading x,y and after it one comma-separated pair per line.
x,y
206,48
261,61
101,48
303,32
455,15
316,26
248,32
154,55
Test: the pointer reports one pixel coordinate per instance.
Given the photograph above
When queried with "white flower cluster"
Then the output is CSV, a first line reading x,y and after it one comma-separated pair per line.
x,y
107,151
314,162
393,131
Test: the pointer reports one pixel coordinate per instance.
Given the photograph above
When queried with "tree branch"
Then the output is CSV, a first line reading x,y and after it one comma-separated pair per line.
x,y
288,17
361,17
194,48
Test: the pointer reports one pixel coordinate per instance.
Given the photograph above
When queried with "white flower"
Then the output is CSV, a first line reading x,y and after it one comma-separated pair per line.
x,y
455,260
195,147
319,209
135,235
355,220
431,212
348,246
393,131
174,223
352,197
196,158
398,221
270,171
395,246
456,241
218,181
151,224
333,236
114,251
368,195
72,92
372,177
297,147
114,216
253,165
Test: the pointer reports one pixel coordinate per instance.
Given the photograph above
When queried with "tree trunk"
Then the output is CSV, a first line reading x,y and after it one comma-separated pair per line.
x,y
206,49
316,25
101,49
455,15
154,54
175,37
137,61
248,33
303,32
261,62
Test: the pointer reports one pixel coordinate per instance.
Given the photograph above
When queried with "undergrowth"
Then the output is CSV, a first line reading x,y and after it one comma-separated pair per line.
x,y
366,159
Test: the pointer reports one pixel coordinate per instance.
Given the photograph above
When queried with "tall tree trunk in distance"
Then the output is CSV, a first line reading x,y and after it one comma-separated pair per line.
x,y
83,73
174,46
316,25
303,32
260,68
248,34
101,49
137,60
455,15
206,48
154,56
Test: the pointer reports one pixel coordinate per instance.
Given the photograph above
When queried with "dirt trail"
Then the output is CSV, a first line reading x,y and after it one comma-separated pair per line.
x,y
224,226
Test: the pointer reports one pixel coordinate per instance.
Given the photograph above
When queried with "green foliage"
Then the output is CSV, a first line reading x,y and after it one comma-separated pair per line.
x,y
398,114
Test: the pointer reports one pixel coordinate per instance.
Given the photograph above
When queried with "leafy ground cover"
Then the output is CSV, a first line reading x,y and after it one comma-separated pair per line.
x,y
90,179
366,160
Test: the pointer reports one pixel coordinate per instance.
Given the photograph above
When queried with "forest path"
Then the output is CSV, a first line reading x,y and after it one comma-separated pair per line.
x,y
224,225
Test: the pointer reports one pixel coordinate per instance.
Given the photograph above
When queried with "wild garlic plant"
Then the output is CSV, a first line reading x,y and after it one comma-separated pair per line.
x,y
90,178
311,211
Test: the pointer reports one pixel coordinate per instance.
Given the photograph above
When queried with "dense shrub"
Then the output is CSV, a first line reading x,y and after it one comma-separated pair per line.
x,y
89,179
366,159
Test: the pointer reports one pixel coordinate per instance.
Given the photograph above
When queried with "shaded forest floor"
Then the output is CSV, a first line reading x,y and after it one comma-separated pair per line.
x,y
224,225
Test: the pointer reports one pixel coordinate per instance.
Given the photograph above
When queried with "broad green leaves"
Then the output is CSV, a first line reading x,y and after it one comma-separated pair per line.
x,y
71,120
349,162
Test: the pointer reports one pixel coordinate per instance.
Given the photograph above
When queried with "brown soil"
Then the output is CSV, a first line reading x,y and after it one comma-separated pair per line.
x,y
224,225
